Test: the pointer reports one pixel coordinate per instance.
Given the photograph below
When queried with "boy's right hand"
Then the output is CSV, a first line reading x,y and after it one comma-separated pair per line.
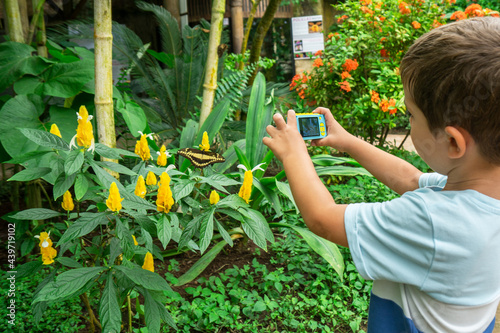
x,y
337,137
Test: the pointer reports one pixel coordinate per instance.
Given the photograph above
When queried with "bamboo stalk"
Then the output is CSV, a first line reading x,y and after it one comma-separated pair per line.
x,y
14,21
103,40
210,84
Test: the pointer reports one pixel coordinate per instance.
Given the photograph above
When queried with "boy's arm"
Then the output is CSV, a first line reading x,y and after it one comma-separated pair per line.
x,y
320,212
394,172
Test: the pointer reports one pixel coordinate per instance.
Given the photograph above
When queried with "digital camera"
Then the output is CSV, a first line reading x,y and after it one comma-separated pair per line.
x,y
311,125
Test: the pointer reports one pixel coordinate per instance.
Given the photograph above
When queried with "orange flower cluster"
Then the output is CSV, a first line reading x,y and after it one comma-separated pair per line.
x,y
436,24
318,62
345,75
318,53
416,25
350,65
375,96
474,10
366,2
344,85
403,8
298,83
366,10
340,20
388,105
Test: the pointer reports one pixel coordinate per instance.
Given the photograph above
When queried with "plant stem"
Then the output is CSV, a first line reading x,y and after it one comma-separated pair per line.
x,y
92,317
129,308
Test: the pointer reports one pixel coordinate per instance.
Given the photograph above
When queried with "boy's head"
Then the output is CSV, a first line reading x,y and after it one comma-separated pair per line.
x,y
453,75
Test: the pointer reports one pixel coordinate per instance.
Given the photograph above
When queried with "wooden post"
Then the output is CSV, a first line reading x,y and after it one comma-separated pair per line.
x,y
237,24
173,7
103,39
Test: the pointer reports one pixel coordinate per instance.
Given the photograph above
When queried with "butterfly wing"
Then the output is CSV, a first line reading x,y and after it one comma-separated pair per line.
x,y
200,158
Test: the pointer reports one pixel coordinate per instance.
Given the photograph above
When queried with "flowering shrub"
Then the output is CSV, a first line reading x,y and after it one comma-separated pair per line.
x,y
357,76
473,10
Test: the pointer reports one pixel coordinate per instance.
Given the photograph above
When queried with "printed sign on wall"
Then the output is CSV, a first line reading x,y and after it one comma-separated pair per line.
x,y
307,32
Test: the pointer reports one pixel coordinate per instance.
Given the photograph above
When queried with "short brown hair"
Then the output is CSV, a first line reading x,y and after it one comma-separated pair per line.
x,y
453,74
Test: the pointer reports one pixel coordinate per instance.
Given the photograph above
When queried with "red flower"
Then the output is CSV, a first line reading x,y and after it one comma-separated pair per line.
x,y
383,53
345,86
416,25
345,75
350,65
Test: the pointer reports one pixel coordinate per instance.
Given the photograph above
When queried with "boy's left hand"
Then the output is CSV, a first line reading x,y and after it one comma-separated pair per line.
x,y
285,140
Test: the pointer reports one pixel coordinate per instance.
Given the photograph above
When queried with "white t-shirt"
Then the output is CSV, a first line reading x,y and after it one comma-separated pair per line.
x,y
434,256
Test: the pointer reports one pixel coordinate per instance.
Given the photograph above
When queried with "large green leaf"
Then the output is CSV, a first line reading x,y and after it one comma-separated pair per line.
x,y
145,278
63,184
329,160
214,121
65,119
16,60
109,309
284,188
339,170
206,230
21,111
35,214
44,139
134,116
155,313
66,80
231,156
30,174
74,162
188,136
258,117
269,194
328,250
83,226
256,227
67,283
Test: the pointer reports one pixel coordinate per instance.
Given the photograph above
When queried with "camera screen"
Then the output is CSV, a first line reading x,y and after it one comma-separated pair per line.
x,y
309,126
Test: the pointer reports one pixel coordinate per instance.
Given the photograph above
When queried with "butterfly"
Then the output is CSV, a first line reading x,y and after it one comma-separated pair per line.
x,y
200,158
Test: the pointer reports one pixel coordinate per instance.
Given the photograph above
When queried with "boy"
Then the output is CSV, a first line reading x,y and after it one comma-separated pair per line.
x,y
434,252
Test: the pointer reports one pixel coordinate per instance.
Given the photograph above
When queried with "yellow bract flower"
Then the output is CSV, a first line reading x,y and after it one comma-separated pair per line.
x,y
55,130
84,131
140,187
44,240
48,255
163,155
164,200
114,200
205,145
142,148
151,178
135,240
246,187
67,203
214,197
149,262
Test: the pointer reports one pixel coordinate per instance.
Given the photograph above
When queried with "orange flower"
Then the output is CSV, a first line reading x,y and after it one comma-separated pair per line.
x,y
383,53
318,62
416,25
318,53
381,18
345,75
330,35
458,15
366,2
436,24
388,105
339,20
366,10
345,86
403,8
477,13
470,9
375,96
350,65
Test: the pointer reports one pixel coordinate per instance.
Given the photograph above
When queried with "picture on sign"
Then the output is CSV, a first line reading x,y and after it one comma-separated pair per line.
x,y
307,32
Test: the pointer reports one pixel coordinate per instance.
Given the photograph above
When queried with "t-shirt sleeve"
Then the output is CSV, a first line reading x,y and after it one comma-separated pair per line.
x,y
432,179
391,240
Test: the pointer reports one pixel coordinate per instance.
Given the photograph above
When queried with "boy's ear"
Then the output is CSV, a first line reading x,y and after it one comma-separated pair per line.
x,y
458,139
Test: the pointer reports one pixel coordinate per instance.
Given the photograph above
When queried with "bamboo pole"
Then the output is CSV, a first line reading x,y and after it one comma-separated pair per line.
x,y
255,4
14,21
103,40
210,84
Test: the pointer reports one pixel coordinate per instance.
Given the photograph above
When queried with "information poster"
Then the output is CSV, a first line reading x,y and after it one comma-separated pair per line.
x,y
307,32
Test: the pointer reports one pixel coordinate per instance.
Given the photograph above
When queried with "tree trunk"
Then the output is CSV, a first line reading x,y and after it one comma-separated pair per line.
x,y
14,21
247,29
210,84
23,11
260,34
103,39
173,7
237,24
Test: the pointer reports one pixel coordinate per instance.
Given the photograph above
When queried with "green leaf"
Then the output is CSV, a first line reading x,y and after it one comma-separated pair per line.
x,y
269,194
62,184
145,278
200,265
69,262
29,156
27,269
74,162
164,230
30,174
225,235
233,201
27,246
218,181
107,152
230,156
182,189
83,226
35,214
341,171
285,189
328,160
44,139
117,167
188,135
206,230
134,117
214,121
81,186
189,231
155,313
66,80
114,249
109,309
148,240
137,203
256,228
242,158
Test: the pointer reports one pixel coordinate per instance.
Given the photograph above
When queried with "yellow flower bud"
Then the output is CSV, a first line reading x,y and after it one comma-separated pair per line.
x,y
151,178
55,130
149,262
214,197
67,203
205,145
164,200
114,200
84,131
246,187
142,148
135,240
162,158
140,187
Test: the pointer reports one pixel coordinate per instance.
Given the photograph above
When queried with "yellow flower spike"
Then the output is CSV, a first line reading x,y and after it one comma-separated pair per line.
x,y
67,203
246,187
163,155
140,187
149,262
44,240
151,178
55,130
142,147
214,197
114,200
205,145
135,240
48,255
164,200
84,131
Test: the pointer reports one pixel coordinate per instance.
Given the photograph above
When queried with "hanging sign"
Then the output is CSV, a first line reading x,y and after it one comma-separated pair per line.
x,y
307,33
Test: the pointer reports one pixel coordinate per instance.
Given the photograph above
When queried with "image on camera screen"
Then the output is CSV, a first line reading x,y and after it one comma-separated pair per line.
x,y
309,126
